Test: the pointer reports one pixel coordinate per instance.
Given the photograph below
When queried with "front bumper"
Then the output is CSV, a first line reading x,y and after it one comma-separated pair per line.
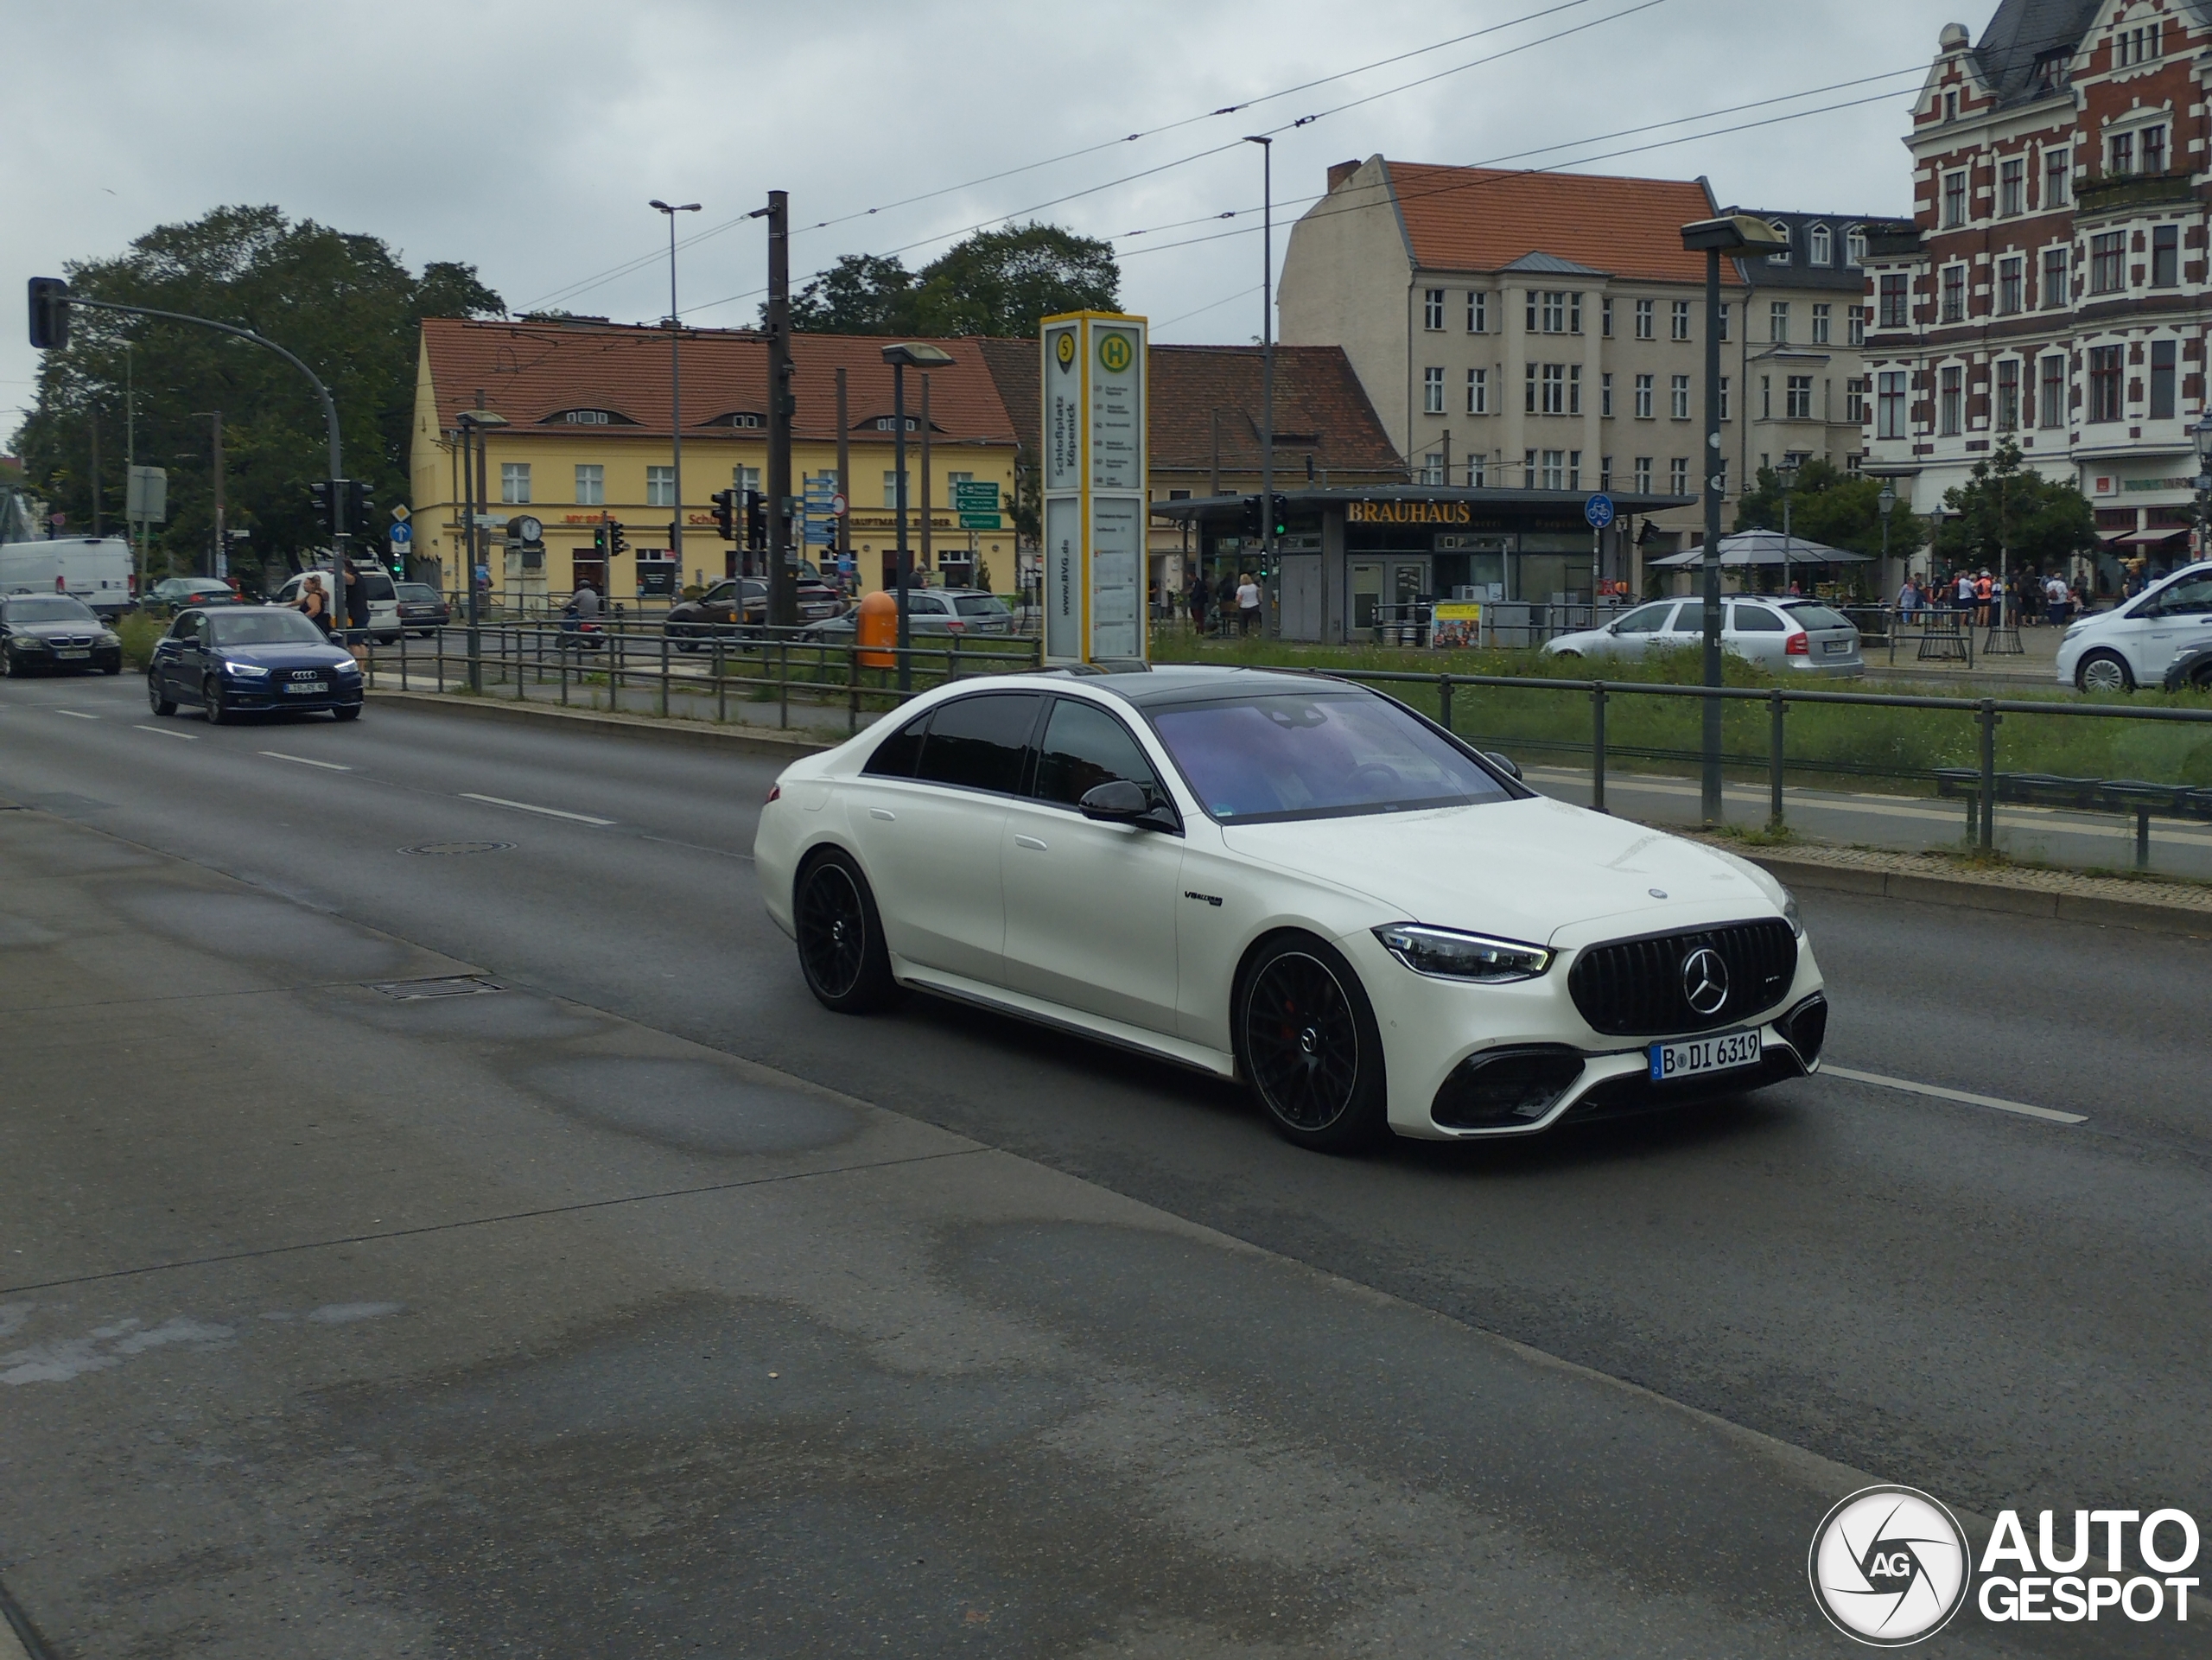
x,y
244,697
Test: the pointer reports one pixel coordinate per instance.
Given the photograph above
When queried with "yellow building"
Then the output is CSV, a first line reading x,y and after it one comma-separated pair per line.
x,y
586,438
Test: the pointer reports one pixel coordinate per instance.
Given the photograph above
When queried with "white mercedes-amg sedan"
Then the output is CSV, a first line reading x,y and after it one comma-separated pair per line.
x,y
1294,881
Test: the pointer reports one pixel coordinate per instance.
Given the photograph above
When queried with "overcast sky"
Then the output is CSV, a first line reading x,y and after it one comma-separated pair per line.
x,y
527,138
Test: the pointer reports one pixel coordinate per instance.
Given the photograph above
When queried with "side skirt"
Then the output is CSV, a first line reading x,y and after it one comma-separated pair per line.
x,y
998,999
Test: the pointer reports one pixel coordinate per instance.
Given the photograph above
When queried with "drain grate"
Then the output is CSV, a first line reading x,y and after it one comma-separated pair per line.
x,y
466,985
443,849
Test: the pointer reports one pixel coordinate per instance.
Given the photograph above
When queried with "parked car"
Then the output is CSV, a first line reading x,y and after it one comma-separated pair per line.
x,y
2135,643
1299,884
935,611
2192,669
97,570
384,599
423,609
172,593
50,633
1780,634
736,603
234,659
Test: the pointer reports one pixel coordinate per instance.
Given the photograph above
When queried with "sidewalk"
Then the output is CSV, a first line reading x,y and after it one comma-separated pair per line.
x,y
2036,664
341,1318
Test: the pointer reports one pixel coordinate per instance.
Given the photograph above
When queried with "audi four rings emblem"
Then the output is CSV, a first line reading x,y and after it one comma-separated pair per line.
x,y
1705,979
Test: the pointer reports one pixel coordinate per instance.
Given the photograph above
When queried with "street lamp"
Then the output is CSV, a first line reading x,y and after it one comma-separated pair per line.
x,y
2202,433
1733,233
675,389
1786,475
1266,351
473,424
914,355
1886,503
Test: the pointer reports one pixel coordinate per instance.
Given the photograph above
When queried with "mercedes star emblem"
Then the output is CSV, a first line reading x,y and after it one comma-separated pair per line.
x,y
1705,979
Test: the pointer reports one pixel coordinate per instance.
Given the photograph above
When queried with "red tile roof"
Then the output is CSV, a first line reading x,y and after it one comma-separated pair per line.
x,y
1476,218
530,372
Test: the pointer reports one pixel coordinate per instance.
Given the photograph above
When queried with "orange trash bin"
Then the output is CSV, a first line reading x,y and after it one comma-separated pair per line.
x,y
877,625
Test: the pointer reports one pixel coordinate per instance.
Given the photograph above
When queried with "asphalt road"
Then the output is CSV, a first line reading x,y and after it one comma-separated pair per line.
x,y
2009,1311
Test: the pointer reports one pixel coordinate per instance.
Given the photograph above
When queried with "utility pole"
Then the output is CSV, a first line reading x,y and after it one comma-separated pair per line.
x,y
1266,351
675,389
130,458
782,598
95,421
927,561
222,544
844,480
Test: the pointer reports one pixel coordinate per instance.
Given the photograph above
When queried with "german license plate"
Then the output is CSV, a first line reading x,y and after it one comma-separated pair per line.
x,y
1721,1053
305,689
74,651
1835,644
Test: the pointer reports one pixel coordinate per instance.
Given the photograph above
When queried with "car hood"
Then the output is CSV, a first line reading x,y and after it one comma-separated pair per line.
x,y
48,630
302,656
1538,871
1579,642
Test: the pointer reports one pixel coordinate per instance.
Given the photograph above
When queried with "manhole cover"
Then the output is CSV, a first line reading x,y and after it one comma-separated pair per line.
x,y
410,990
441,849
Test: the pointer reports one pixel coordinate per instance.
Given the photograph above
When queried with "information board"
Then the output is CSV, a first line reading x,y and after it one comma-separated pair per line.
x,y
1096,466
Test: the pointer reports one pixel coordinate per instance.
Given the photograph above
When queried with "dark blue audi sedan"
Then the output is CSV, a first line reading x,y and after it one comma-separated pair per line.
x,y
233,660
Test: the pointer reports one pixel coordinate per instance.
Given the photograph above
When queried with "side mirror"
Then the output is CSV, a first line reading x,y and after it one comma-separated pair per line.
x,y
1116,803
1504,763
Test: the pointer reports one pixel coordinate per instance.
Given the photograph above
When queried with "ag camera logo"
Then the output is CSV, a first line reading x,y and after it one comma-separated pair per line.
x,y
1888,1566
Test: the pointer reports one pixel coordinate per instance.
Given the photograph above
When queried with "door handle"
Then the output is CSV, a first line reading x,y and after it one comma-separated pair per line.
x,y
884,813
1029,842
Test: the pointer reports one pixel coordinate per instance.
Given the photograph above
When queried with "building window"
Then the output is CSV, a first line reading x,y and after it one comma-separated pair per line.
x,y
1951,106
1574,388
2055,280
1478,471
1555,469
660,486
2107,262
1574,469
2058,178
1891,401
1555,312
2052,393
2104,383
1680,399
1432,392
2012,186
1722,315
514,480
1724,397
1528,469
1855,321
1766,398
1605,472
2123,155
1478,311
1896,300
2154,150
1678,476
2009,282
1432,468
1478,391
1823,250
1854,401
1432,309
1644,384
1554,389
1605,317
1681,321
1950,400
1605,396
2008,394
1643,309
2162,380
1854,246
1800,394
1822,330
585,417
1642,475
591,485
891,489
1778,322
1954,294
745,478
2165,256
1955,199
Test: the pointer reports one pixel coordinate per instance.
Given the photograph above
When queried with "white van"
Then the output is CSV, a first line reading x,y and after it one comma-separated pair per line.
x,y
384,599
2136,644
95,570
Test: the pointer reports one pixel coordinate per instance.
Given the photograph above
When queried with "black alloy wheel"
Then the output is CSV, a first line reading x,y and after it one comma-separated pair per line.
x,y
160,704
12,665
841,947
211,700
1310,1045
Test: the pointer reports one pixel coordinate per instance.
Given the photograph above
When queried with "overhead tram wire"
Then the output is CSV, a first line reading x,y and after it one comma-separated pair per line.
x,y
612,274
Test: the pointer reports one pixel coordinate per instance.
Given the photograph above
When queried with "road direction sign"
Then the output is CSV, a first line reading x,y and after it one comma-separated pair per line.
x,y
402,533
1598,509
976,496
979,521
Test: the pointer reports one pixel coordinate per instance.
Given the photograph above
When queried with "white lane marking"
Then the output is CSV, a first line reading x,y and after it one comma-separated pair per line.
x,y
168,732
302,760
524,807
74,716
1830,1070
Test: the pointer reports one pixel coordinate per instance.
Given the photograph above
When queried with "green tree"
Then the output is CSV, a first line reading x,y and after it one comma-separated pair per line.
x,y
1827,505
345,303
2007,514
993,283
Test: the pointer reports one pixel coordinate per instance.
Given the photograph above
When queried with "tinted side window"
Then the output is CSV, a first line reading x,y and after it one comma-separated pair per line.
x,y
1646,620
2191,597
1755,619
182,628
1083,748
895,756
981,605
978,742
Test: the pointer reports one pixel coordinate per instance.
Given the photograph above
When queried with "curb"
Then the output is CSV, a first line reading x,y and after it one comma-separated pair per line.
x,y
1964,894
683,733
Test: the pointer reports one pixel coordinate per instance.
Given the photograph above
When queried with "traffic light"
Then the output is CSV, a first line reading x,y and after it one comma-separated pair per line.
x,y
599,541
50,313
359,503
725,514
319,493
617,543
1254,521
756,520
1281,517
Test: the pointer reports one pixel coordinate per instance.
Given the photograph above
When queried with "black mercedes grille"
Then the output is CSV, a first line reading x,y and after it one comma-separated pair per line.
x,y
1634,988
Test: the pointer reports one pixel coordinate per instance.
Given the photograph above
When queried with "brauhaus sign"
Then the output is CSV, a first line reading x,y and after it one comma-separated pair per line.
x,y
1890,1567
1408,512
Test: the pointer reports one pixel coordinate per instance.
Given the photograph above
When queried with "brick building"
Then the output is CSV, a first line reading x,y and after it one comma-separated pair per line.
x,y
2052,289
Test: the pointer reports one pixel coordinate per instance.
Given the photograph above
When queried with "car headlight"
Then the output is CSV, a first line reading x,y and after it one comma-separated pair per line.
x,y
109,637
1447,954
247,671
29,643
348,669
1789,914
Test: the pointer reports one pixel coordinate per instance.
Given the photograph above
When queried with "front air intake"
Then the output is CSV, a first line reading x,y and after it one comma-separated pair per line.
x,y
1505,1089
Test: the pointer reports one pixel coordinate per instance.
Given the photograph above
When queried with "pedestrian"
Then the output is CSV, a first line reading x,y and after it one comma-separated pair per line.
x,y
1195,594
1983,589
314,604
2055,597
1248,604
1908,599
357,613
1964,592
1224,608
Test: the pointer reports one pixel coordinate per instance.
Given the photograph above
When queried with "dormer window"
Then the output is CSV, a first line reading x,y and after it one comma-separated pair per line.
x,y
890,423
586,418
1823,247
1780,228
1854,246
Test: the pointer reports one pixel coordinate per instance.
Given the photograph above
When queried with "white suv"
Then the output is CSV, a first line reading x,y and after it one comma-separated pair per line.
x,y
2135,645
384,599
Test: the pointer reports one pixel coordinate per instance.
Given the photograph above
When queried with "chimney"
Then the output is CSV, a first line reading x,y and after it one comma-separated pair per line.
x,y
1340,172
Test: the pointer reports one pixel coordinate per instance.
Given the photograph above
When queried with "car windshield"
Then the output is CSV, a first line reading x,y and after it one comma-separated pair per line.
x,y
980,605
258,627
57,609
1809,616
1316,755
418,593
